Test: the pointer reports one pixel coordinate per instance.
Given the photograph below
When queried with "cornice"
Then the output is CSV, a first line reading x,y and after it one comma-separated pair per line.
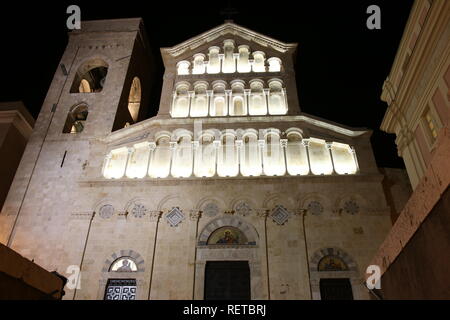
x,y
140,129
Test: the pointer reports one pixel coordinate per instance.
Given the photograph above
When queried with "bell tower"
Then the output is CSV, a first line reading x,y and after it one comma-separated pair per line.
x,y
102,84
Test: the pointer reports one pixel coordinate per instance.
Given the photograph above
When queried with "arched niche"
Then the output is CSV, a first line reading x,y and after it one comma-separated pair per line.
x,y
249,252
123,265
90,76
335,263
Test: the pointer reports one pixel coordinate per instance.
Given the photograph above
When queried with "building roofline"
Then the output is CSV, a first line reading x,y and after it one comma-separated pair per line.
x,y
228,28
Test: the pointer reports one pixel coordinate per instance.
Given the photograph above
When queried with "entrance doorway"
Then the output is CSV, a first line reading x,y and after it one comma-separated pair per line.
x,y
336,289
227,280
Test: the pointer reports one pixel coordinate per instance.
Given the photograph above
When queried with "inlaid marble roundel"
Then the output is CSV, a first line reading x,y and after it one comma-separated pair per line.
x,y
106,211
315,207
138,210
243,208
351,207
211,209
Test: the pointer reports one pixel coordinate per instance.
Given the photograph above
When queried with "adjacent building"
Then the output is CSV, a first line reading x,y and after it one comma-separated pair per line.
x,y
415,255
16,125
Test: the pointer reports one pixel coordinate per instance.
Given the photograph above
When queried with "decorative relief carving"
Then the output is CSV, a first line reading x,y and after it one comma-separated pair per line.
x,y
351,207
138,210
315,207
243,209
211,209
280,215
175,217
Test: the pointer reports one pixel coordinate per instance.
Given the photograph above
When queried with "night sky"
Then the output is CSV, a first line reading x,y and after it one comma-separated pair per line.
x,y
341,65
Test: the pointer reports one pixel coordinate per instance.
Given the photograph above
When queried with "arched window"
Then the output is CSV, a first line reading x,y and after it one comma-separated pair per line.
x,y
134,98
76,119
90,77
227,236
122,289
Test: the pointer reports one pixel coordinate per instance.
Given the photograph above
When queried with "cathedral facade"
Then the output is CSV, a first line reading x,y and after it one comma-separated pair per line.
x,y
229,192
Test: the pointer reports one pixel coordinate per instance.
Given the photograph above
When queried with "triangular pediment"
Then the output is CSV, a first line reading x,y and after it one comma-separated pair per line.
x,y
228,29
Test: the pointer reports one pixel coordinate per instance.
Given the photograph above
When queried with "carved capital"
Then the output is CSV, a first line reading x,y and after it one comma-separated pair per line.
x,y
195,215
155,215
173,145
152,146
262,212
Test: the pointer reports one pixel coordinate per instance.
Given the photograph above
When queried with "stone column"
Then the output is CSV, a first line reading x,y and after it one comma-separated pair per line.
x,y
261,145
194,218
152,147
209,95
264,213
173,146
155,217
283,143
238,150
216,145
329,146
266,97
306,144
